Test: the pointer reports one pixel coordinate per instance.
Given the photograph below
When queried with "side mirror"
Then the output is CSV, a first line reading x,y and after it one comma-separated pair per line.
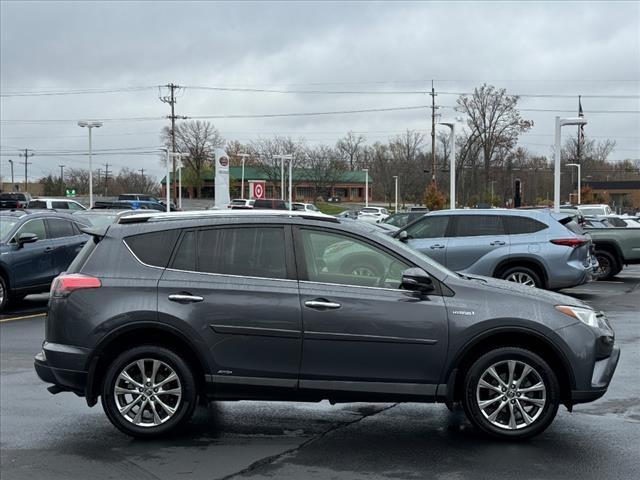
x,y
403,236
26,238
417,280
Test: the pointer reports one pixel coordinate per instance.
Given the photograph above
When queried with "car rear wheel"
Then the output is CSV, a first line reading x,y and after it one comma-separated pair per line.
x,y
148,391
523,276
511,393
607,265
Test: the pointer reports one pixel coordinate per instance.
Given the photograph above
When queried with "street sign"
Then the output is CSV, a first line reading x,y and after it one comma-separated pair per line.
x,y
70,192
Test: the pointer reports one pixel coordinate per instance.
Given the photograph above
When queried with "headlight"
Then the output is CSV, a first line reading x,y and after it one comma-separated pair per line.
x,y
585,315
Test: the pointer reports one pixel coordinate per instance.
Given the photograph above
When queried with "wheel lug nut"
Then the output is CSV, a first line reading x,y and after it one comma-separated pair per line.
x,y
504,389
504,399
513,401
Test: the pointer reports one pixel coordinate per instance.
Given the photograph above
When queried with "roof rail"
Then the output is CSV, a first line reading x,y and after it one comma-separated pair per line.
x,y
169,216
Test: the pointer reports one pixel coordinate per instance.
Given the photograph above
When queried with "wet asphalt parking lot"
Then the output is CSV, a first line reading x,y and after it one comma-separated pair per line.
x,y
43,436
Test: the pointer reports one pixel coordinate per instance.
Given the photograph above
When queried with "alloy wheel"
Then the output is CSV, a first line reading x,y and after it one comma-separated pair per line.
x,y
511,394
1,293
604,267
521,278
147,392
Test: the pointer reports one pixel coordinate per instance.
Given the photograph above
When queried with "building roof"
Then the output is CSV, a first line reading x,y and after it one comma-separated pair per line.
x,y
615,185
299,175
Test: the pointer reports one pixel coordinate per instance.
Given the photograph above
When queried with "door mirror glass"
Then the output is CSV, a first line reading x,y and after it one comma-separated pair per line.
x,y
26,238
403,236
417,280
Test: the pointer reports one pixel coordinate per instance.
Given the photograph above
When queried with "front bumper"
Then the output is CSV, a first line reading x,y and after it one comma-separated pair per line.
x,y
602,374
63,366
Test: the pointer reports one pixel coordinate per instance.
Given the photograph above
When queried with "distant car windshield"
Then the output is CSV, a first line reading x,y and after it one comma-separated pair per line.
x,y
6,224
312,207
592,211
370,210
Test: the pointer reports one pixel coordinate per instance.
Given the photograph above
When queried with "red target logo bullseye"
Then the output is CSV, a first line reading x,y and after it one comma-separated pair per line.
x,y
258,190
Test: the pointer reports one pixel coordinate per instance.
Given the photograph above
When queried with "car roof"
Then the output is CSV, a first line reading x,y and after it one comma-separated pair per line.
x,y
35,213
56,199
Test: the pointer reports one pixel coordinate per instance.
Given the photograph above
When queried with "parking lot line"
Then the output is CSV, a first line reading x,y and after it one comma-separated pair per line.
x,y
24,317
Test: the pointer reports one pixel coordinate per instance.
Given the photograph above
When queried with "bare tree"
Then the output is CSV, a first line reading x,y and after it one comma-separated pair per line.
x,y
351,147
198,139
408,163
323,168
264,150
494,121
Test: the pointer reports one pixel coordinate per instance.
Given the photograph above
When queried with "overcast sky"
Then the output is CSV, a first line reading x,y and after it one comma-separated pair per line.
x,y
556,48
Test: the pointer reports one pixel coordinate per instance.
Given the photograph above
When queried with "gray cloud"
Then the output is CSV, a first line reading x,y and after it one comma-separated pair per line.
x,y
527,47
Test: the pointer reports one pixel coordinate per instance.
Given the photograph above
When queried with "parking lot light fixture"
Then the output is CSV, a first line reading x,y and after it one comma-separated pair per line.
x,y
396,200
561,122
89,126
452,164
366,186
579,180
243,156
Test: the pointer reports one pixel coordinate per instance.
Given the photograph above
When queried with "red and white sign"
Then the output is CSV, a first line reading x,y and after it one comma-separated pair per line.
x,y
257,190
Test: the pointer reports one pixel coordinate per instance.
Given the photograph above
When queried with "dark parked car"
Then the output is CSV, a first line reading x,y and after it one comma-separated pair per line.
x,y
170,309
9,200
35,247
270,203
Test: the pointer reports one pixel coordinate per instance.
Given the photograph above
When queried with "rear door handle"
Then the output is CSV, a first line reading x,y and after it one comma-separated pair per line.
x,y
437,245
498,242
185,298
321,304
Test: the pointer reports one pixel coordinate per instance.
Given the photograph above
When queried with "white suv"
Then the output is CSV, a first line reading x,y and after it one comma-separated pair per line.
x,y
601,209
55,204
373,214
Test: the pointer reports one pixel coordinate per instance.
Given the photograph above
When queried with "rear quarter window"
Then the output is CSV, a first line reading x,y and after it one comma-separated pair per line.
x,y
517,225
153,248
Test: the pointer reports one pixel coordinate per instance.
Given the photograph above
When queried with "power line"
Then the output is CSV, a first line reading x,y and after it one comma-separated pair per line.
x,y
75,92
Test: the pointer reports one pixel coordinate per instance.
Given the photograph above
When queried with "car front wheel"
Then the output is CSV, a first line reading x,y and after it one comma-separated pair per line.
x,y
511,393
148,391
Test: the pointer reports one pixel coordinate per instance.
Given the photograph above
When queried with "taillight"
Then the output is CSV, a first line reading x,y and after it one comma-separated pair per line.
x,y
63,285
570,242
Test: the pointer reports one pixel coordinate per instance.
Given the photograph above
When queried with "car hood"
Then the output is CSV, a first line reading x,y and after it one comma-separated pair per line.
x,y
524,291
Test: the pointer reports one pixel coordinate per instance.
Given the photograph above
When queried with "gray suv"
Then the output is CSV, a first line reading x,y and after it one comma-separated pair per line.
x,y
523,246
168,310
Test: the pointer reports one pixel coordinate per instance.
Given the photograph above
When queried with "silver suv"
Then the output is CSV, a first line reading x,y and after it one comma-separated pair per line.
x,y
524,246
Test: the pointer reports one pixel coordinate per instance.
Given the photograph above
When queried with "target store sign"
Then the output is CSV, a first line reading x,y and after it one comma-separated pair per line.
x,y
257,190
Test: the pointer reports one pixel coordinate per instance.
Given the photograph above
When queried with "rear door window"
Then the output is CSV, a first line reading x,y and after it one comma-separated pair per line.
x,y
60,205
478,225
37,204
250,251
59,228
153,248
517,225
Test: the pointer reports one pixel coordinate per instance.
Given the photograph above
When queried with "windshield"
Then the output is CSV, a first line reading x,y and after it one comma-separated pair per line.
x,y
6,224
592,211
369,210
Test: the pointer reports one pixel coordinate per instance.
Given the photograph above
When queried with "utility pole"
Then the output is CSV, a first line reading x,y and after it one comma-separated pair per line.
x,y
99,170
26,162
61,180
142,173
171,100
106,178
433,133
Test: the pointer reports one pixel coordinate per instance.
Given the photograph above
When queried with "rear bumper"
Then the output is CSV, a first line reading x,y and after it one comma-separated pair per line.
x,y
571,277
63,366
602,374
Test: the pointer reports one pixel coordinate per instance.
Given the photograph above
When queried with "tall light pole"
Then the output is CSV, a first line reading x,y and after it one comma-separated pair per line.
x,y
90,126
243,155
452,165
561,122
579,184
366,186
282,159
170,160
12,180
395,177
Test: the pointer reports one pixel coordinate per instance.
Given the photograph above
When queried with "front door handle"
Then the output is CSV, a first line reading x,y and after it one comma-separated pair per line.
x,y
48,250
498,242
185,298
436,245
321,304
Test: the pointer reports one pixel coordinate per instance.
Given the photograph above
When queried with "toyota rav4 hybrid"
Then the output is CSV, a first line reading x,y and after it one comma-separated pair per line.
x,y
169,310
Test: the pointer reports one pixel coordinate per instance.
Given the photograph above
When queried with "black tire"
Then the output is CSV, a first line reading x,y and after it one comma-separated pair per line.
x,y
184,405
542,416
522,271
608,265
4,294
